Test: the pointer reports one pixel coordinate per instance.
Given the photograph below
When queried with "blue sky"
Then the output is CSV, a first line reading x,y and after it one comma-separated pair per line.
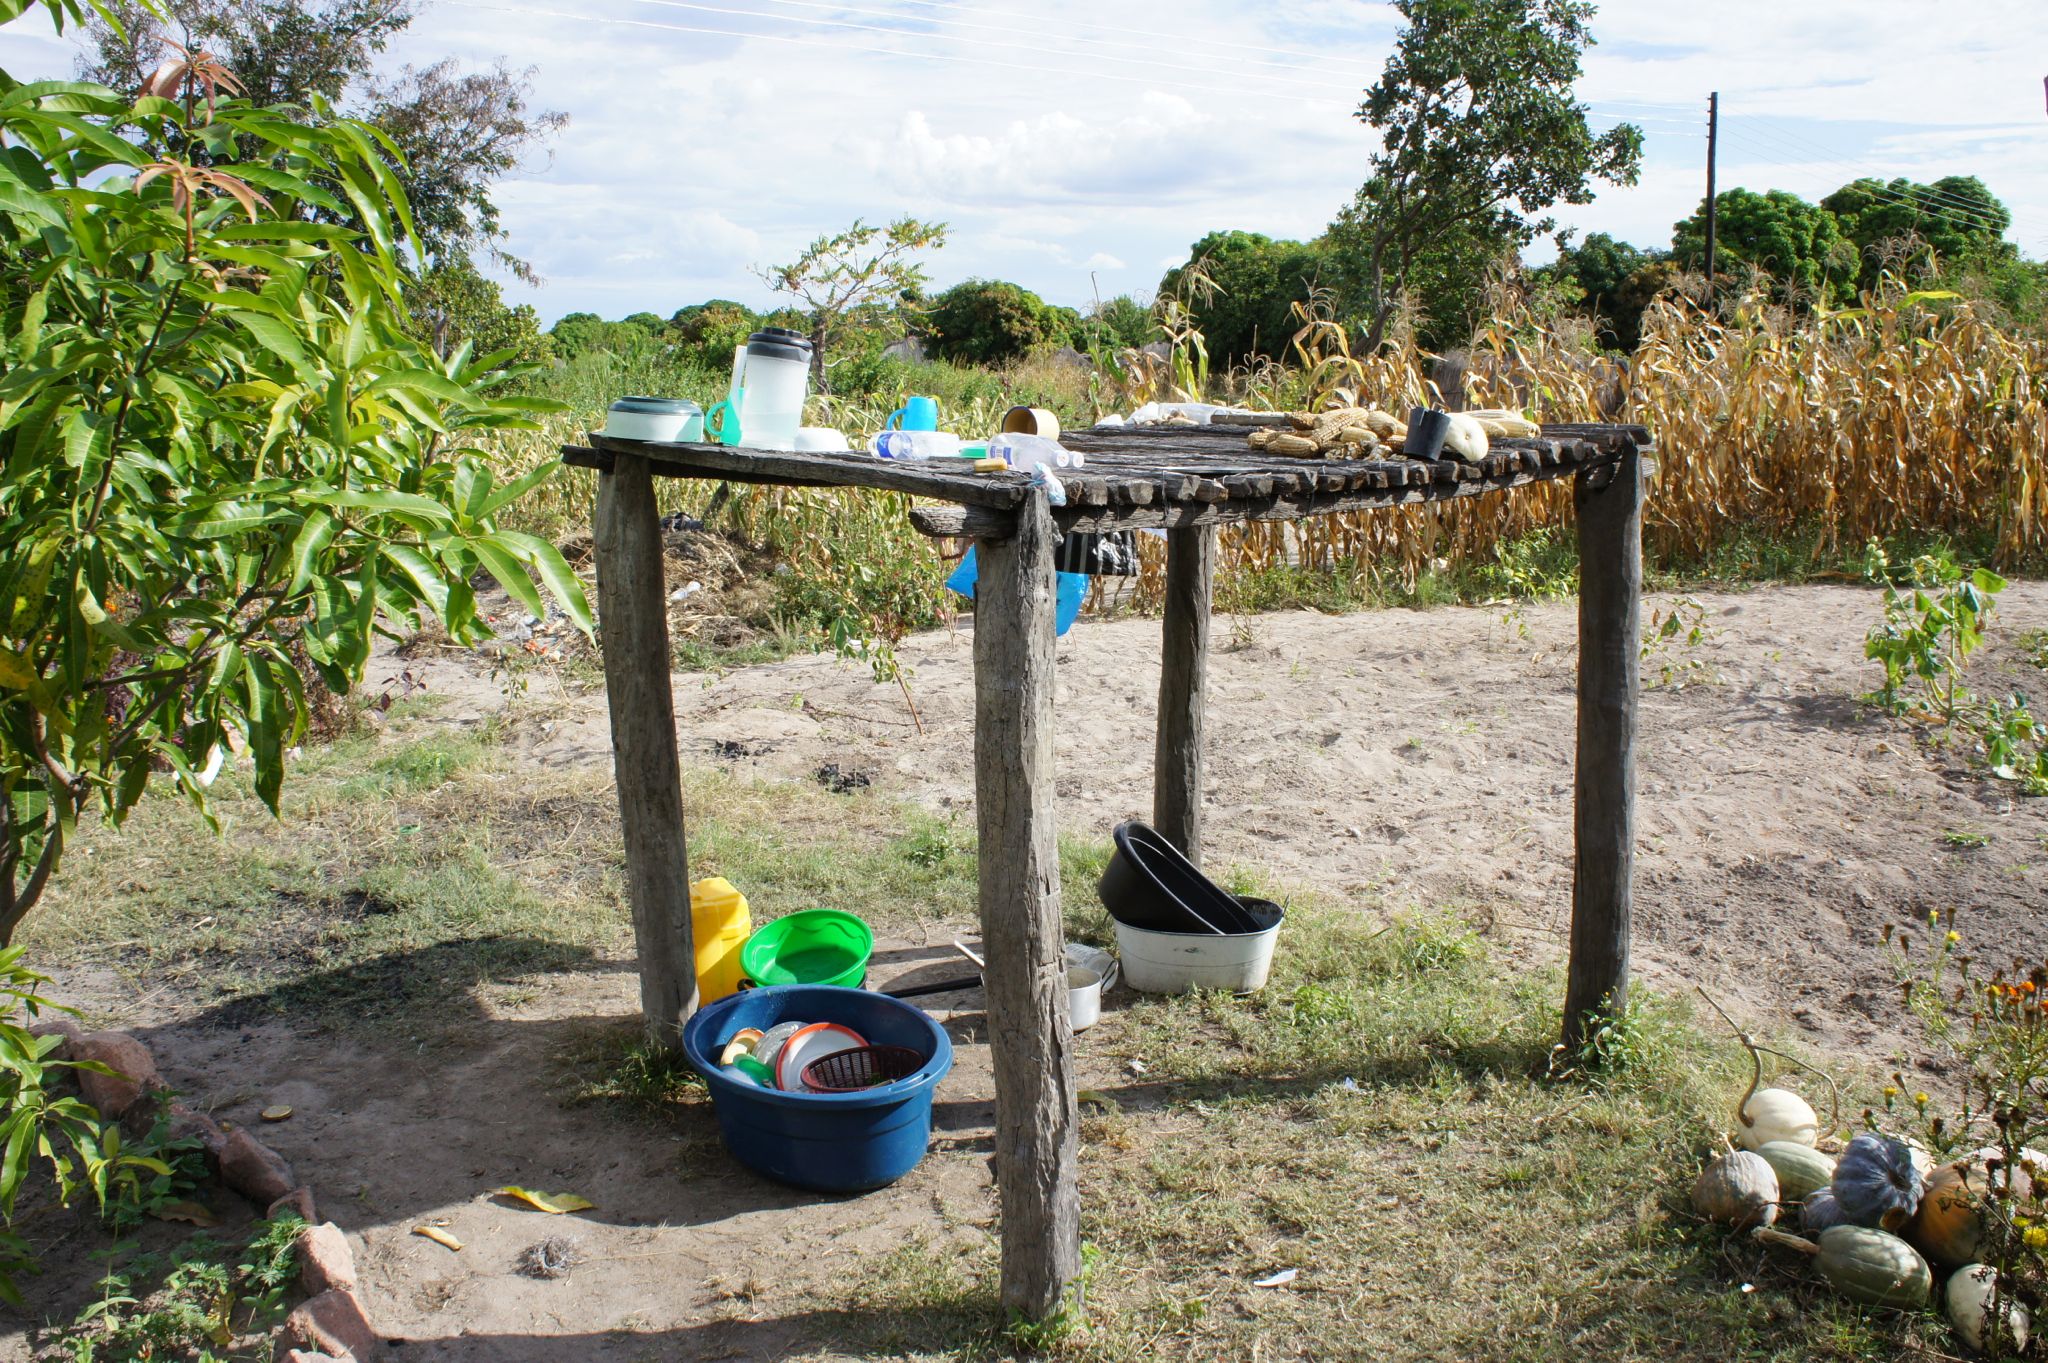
x,y
1074,145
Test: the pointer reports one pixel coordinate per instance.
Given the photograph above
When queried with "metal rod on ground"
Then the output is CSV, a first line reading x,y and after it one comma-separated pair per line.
x,y
1030,1047
1609,503
633,610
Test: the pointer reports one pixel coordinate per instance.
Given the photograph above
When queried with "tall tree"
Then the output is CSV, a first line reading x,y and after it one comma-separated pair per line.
x,y
855,269
1955,221
459,133
1482,136
1798,244
1257,280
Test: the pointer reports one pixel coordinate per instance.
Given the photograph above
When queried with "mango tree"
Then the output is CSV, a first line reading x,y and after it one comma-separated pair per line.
x,y
225,467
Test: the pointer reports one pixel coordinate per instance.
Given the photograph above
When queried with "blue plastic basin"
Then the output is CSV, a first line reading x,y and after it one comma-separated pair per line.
x,y
827,1142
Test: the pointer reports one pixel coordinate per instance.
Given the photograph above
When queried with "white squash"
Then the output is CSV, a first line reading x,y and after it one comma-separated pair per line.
x,y
1969,1307
1775,1115
1466,440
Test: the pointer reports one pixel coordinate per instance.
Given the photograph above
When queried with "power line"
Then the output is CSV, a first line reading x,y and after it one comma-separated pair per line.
x,y
1039,32
1799,145
1927,200
1265,92
1152,37
1878,190
954,38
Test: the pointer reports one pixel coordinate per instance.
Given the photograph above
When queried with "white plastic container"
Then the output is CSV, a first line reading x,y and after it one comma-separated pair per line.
x,y
777,376
645,418
1084,997
1176,962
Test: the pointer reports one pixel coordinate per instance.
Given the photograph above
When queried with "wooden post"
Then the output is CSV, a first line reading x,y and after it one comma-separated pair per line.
x,y
1609,502
1037,1127
1183,679
633,612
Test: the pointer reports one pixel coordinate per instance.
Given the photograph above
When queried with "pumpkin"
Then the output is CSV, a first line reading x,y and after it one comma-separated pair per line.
x,y
2000,1179
1968,1298
1865,1265
1775,1115
1819,1211
1876,1182
1946,1227
1801,1169
1873,1266
1738,1188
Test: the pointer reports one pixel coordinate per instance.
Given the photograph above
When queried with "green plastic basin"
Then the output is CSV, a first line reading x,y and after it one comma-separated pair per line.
x,y
811,946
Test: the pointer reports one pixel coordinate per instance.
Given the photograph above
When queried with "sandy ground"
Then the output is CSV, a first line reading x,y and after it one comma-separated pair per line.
x,y
1396,758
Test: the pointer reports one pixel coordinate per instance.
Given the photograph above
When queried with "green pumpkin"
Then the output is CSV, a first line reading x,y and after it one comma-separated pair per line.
x,y
1801,1169
1874,1266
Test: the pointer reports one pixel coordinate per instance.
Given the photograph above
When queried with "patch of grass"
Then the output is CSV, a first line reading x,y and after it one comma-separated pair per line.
x,y
412,866
1966,838
617,1065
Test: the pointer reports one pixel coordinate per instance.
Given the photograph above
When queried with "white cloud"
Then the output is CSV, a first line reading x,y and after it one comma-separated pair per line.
x,y
1058,137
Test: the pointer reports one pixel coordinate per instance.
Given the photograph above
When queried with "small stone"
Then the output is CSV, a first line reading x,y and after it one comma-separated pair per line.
x,y
254,1170
331,1323
310,1356
133,1072
299,1199
188,1125
326,1264
60,1025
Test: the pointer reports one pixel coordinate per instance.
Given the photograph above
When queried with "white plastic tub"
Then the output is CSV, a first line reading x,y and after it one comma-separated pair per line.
x,y
1176,962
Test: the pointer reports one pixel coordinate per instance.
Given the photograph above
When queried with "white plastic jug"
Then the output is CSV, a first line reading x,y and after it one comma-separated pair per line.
x,y
778,374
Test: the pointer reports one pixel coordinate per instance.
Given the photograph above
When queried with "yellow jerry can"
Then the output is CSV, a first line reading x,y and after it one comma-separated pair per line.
x,y
719,926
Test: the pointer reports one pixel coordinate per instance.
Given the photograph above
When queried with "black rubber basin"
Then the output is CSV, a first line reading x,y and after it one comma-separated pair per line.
x,y
1148,884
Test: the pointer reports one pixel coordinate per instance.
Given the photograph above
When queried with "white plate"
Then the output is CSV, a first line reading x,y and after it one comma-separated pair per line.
x,y
814,1042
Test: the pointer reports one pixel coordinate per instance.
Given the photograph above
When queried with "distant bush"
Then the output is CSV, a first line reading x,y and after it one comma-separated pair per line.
x,y
988,321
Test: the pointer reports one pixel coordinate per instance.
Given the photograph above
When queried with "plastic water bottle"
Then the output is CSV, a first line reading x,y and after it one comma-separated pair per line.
x,y
1027,452
916,445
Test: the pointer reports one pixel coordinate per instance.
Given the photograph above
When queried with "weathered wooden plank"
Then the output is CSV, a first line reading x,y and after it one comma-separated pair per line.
x,y
1037,1126
633,611
922,477
1409,485
1183,686
1610,516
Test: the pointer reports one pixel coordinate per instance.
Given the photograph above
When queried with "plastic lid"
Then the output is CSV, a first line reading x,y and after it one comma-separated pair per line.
x,y
645,406
780,343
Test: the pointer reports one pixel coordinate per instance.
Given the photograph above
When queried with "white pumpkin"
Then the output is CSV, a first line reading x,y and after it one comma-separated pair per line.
x,y
1775,1115
1969,1307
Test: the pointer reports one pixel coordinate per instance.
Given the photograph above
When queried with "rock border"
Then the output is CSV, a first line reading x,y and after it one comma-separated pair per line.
x,y
331,1325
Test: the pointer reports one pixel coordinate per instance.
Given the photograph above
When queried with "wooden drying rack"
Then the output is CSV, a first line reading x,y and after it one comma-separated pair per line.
x,y
1186,481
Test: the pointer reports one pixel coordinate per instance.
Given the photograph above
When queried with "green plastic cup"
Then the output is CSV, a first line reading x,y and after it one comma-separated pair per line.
x,y
811,946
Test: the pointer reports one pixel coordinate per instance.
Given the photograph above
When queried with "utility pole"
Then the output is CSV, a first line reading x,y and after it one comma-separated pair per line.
x,y
1713,138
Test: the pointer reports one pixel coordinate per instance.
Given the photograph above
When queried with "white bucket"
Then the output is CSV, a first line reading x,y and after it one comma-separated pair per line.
x,y
1084,997
1176,962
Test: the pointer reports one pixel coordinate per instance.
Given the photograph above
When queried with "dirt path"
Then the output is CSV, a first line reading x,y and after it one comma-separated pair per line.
x,y
1425,758
1394,758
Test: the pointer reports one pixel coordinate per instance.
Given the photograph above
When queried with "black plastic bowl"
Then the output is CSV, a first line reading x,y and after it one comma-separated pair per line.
x,y
1148,884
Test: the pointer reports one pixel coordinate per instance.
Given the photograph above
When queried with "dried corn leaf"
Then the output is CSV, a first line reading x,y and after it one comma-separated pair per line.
x,y
553,1203
438,1236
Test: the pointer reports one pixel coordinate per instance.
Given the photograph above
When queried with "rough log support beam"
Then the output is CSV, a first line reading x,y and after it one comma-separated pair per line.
x,y
1037,1126
633,609
1609,502
1183,679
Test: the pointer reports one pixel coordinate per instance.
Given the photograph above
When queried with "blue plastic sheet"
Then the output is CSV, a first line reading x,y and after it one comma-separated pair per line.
x,y
1073,590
